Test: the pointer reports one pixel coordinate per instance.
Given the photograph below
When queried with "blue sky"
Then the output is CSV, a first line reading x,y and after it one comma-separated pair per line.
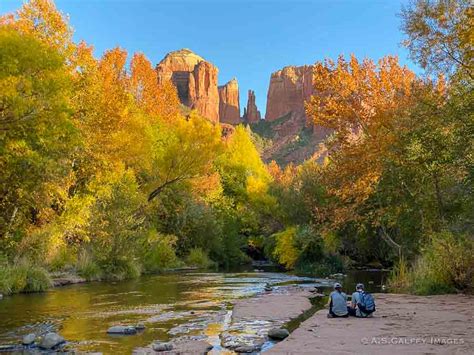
x,y
245,39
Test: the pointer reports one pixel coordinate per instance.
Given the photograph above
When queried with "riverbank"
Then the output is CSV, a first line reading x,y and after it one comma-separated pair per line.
x,y
409,324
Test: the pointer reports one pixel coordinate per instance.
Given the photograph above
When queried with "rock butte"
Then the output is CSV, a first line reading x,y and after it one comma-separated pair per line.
x,y
229,105
195,80
289,88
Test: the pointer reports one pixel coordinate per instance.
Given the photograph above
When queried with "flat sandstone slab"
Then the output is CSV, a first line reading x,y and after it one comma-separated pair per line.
x,y
278,305
403,324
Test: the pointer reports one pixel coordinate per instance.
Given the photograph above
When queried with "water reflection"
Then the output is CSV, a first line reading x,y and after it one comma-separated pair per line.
x,y
170,306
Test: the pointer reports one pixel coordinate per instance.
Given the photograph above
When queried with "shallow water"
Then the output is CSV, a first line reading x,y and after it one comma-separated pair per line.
x,y
192,304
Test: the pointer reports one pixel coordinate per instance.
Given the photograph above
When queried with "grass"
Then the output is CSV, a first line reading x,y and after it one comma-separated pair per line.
x,y
199,258
445,265
23,277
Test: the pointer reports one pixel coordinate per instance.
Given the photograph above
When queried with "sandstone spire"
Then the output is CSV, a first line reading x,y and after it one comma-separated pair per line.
x,y
195,80
251,113
229,105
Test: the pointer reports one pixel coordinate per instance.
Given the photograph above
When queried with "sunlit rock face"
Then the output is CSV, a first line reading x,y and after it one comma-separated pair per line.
x,y
195,80
229,106
289,88
251,113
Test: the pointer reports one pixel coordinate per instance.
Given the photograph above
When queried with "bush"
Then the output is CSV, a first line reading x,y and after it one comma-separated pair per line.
x,y
198,257
88,268
159,252
445,265
23,278
37,279
120,269
64,258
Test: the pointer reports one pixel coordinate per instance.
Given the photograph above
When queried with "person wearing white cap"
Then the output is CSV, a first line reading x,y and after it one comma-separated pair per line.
x,y
362,303
337,302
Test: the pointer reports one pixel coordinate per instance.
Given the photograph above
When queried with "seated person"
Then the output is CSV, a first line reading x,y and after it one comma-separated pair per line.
x,y
354,309
337,302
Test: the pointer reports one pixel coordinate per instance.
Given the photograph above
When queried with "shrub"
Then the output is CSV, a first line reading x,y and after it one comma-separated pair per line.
x,y
120,269
286,251
445,265
37,279
198,257
64,258
88,268
23,277
159,252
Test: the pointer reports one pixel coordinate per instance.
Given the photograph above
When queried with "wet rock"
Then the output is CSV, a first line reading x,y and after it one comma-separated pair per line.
x,y
209,348
122,329
8,348
140,326
51,340
29,339
247,349
162,346
278,333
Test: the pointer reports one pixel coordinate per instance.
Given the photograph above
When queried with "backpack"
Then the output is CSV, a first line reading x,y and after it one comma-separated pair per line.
x,y
366,303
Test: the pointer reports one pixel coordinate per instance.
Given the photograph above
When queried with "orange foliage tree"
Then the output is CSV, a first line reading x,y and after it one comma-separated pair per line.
x,y
359,101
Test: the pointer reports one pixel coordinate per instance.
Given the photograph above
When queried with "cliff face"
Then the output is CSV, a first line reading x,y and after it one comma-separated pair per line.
x,y
289,88
251,113
195,80
294,139
229,105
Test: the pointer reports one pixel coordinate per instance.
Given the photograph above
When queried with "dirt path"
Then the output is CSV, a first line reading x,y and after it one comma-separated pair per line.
x,y
403,324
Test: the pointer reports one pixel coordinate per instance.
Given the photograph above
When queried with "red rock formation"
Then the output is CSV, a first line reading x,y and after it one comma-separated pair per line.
x,y
289,89
251,113
195,79
229,105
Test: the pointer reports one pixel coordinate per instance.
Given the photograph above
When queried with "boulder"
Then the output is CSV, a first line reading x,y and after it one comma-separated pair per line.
x,y
51,340
122,329
195,80
278,333
29,339
229,105
162,346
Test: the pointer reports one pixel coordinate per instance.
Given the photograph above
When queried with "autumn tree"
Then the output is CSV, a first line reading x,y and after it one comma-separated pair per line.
x,y
37,134
439,35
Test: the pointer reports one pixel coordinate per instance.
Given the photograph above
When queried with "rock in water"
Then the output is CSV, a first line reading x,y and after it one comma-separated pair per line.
x,y
278,333
29,339
247,349
122,329
140,326
162,346
51,340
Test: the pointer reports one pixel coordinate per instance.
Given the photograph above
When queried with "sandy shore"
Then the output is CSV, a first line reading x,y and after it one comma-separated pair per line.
x,y
409,324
